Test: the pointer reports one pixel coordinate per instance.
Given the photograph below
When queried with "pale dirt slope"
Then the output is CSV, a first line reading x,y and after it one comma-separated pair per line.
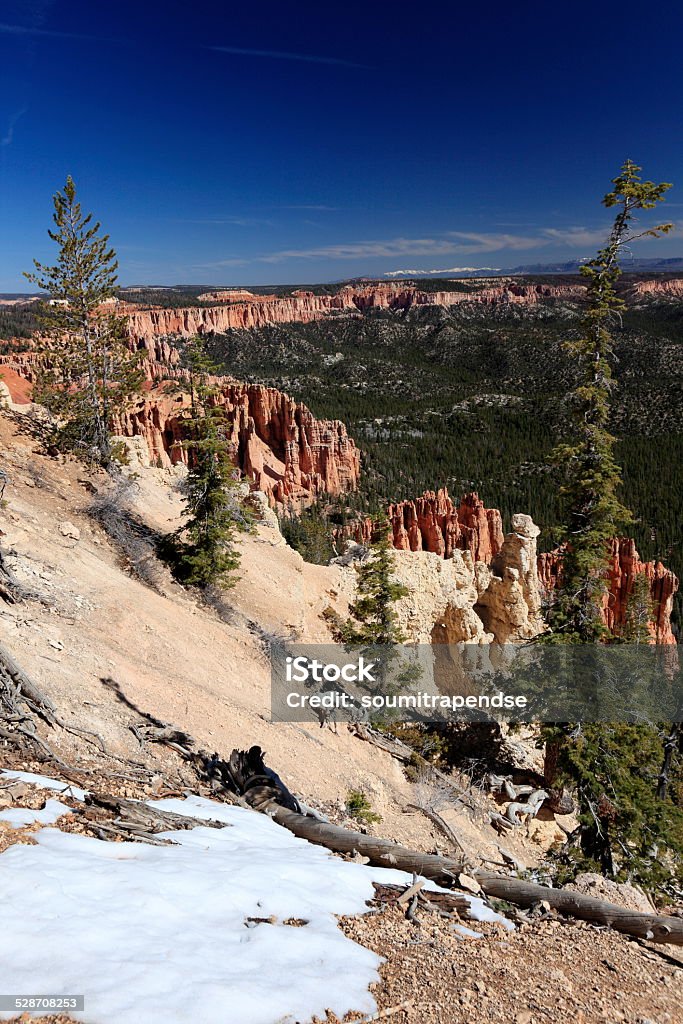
x,y
171,657
182,662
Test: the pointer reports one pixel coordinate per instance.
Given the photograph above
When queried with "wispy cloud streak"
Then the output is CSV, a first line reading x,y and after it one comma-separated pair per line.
x,y
308,58
458,243
8,138
453,242
27,31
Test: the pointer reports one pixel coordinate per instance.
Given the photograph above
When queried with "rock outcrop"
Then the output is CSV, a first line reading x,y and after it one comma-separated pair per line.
x,y
511,573
440,603
237,311
510,597
278,444
656,288
625,565
434,523
461,600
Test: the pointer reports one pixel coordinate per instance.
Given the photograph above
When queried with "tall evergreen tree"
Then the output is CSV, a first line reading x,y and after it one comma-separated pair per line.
x,y
592,477
372,617
624,820
204,549
373,624
89,372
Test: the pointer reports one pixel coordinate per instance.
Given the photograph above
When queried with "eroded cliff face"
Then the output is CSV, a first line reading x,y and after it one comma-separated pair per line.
x,y
625,565
277,443
671,289
509,565
235,310
434,523
461,600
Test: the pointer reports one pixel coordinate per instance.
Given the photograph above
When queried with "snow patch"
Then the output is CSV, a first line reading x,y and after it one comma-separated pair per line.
x,y
20,816
162,934
67,788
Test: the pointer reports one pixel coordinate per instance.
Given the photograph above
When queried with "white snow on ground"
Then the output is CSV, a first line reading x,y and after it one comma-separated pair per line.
x,y
160,934
207,810
20,816
46,783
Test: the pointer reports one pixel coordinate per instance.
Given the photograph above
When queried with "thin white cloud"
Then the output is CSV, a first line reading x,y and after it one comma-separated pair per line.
x,y
575,236
8,138
451,243
308,58
28,30
237,221
321,207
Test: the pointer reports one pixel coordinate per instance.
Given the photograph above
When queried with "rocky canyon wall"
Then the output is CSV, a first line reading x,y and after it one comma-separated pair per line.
x,y
656,288
146,325
625,565
277,443
434,523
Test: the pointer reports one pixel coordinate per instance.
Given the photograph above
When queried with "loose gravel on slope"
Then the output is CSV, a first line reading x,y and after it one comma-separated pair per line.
x,y
545,971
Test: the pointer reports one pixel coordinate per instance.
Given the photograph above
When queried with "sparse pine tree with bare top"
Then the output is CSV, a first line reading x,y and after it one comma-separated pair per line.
x,y
88,372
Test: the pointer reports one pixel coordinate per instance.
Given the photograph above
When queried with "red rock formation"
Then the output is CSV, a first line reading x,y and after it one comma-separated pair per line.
x,y
625,565
23,365
277,442
433,523
18,387
671,289
145,325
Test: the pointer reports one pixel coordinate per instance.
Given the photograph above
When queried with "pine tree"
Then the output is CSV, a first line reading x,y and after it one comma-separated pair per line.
x,y
204,549
372,618
89,373
309,533
372,623
592,477
615,767
628,830
639,611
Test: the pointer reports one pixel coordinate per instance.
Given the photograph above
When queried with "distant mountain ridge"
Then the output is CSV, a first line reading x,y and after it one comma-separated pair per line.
x,y
673,265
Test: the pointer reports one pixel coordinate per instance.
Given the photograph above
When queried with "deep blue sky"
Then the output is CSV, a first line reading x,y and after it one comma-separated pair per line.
x,y
423,136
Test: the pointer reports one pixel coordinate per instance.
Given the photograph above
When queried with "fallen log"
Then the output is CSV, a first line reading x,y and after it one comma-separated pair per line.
x,y
383,853
653,927
444,871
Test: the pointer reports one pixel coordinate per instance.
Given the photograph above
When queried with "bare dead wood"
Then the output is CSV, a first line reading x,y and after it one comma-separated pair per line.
x,y
21,700
11,590
400,750
444,871
451,901
654,927
407,1004
442,825
133,819
380,852
407,895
